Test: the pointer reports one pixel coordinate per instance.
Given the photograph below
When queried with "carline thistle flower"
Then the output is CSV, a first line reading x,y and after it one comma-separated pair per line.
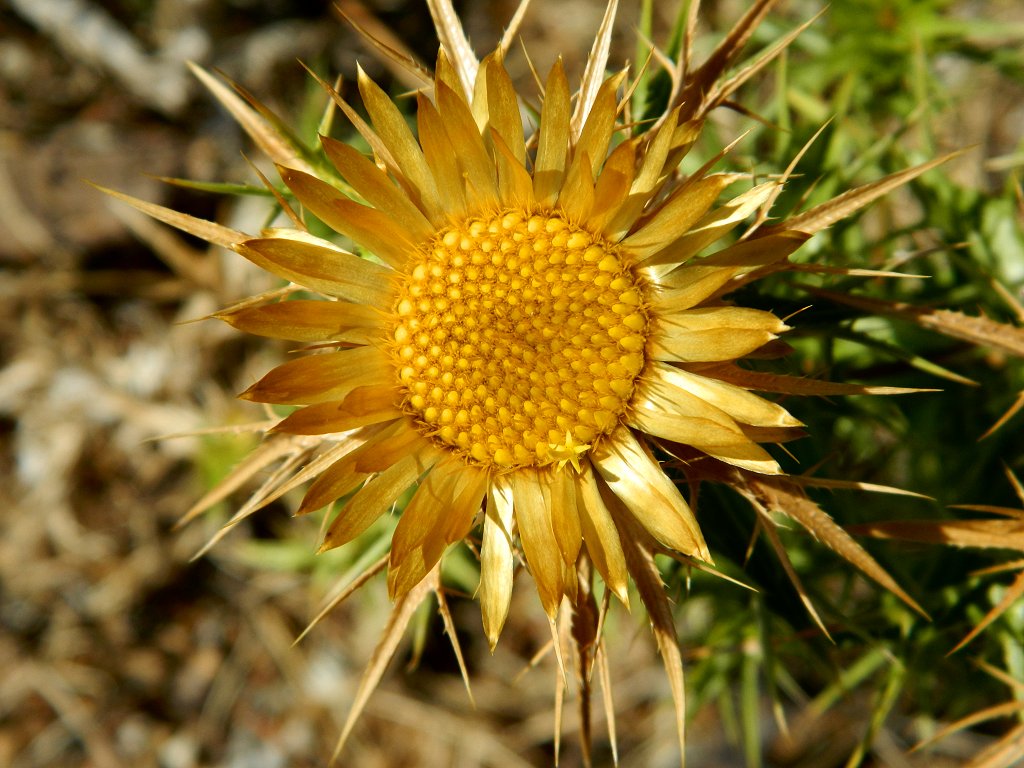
x,y
525,337
535,319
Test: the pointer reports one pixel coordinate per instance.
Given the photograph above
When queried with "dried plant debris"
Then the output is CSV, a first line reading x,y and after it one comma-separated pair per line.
x,y
546,354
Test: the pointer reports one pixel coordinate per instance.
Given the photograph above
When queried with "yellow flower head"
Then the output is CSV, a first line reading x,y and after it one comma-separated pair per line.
x,y
536,324
531,318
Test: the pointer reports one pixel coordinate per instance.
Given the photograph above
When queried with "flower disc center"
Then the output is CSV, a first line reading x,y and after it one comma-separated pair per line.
x,y
518,338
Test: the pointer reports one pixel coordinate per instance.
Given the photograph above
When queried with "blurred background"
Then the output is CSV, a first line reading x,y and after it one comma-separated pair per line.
x,y
117,648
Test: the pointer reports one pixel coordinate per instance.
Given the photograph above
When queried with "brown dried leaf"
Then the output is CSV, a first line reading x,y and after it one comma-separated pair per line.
x,y
259,499
692,96
583,623
449,628
795,385
782,495
347,591
296,470
398,621
1012,565
604,676
977,330
559,636
205,230
1007,296
992,534
277,147
638,548
1018,487
286,207
771,532
272,450
1017,514
1013,593
998,534
1012,411
1005,753
1015,685
231,429
721,91
393,52
989,713
700,565
828,213
380,151
822,269
766,208
852,485
556,644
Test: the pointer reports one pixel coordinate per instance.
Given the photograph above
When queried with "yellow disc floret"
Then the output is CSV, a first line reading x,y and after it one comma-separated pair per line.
x,y
518,338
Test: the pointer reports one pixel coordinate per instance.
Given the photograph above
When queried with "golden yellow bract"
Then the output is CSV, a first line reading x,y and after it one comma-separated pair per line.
x,y
518,338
